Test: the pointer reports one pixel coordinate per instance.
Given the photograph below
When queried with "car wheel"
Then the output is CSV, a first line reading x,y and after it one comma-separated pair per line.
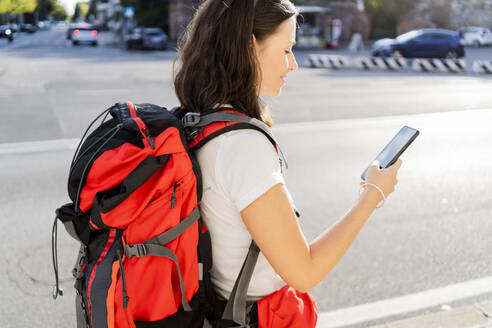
x,y
94,44
11,39
451,54
75,43
476,43
396,54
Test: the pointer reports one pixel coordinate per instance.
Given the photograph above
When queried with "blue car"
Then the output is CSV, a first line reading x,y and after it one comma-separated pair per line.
x,y
425,43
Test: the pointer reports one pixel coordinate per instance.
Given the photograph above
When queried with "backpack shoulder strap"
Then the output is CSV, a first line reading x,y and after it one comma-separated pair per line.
x,y
236,307
203,128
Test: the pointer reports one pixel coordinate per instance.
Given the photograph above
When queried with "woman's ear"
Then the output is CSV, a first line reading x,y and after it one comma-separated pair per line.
x,y
253,44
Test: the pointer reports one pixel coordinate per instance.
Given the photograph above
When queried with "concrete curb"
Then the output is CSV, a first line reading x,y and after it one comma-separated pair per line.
x,y
421,65
404,306
470,316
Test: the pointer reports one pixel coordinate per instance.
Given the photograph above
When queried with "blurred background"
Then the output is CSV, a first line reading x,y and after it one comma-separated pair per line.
x,y
366,68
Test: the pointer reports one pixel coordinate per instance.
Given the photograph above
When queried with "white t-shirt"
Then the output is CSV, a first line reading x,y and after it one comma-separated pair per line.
x,y
237,168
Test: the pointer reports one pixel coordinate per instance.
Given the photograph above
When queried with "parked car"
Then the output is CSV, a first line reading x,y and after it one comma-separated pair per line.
x,y
6,32
28,28
102,27
44,25
147,38
476,36
424,43
14,28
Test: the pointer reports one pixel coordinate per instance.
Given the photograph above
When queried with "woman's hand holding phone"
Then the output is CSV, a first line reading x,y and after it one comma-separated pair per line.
x,y
385,179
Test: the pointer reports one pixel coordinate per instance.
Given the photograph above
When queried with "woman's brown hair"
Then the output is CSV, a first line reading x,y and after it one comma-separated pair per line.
x,y
217,61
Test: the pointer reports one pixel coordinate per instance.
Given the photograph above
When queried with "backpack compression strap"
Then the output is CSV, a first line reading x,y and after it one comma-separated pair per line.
x,y
154,247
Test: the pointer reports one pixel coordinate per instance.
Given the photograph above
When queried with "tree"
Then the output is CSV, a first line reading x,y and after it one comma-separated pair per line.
x,y
45,7
59,13
93,7
24,6
76,13
17,6
5,6
81,10
153,13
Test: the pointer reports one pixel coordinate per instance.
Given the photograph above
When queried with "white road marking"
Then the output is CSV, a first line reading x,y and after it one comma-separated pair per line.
x,y
38,146
67,144
404,304
381,120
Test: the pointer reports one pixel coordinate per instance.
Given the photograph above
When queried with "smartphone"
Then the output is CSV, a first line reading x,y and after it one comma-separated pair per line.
x,y
390,154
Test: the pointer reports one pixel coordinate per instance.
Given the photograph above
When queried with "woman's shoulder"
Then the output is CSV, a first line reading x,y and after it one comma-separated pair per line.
x,y
237,149
247,138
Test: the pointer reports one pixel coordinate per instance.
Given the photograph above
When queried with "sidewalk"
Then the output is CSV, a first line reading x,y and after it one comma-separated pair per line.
x,y
470,316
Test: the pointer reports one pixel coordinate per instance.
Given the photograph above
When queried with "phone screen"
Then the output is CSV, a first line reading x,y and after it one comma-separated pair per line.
x,y
390,154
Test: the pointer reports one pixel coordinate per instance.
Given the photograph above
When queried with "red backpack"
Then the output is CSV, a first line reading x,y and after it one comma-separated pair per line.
x,y
145,253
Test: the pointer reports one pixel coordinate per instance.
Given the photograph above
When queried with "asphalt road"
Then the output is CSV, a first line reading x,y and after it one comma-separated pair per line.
x,y
49,88
434,230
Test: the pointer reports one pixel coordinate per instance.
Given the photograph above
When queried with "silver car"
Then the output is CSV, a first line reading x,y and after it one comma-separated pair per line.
x,y
476,36
84,34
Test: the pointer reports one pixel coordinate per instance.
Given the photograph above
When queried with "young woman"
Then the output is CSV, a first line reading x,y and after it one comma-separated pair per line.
x,y
236,51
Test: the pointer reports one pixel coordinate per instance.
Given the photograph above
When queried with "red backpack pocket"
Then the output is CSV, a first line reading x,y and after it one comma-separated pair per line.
x,y
287,307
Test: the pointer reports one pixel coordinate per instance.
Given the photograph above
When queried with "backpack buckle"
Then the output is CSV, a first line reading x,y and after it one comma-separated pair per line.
x,y
79,264
190,119
135,250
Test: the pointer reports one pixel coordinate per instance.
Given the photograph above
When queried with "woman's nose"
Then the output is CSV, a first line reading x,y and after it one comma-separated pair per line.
x,y
292,63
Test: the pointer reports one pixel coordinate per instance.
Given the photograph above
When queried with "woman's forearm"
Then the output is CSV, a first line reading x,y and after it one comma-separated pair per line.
x,y
329,247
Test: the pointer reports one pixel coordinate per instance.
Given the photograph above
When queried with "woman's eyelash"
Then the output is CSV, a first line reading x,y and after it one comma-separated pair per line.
x,y
287,51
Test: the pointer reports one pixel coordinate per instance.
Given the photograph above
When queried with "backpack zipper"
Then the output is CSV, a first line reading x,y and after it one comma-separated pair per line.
x,y
173,197
141,125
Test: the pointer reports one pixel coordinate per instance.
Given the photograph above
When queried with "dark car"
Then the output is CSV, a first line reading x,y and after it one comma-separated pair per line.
x,y
28,28
6,32
147,38
14,28
425,43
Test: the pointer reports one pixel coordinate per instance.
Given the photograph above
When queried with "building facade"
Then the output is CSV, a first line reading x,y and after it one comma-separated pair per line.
x,y
448,14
